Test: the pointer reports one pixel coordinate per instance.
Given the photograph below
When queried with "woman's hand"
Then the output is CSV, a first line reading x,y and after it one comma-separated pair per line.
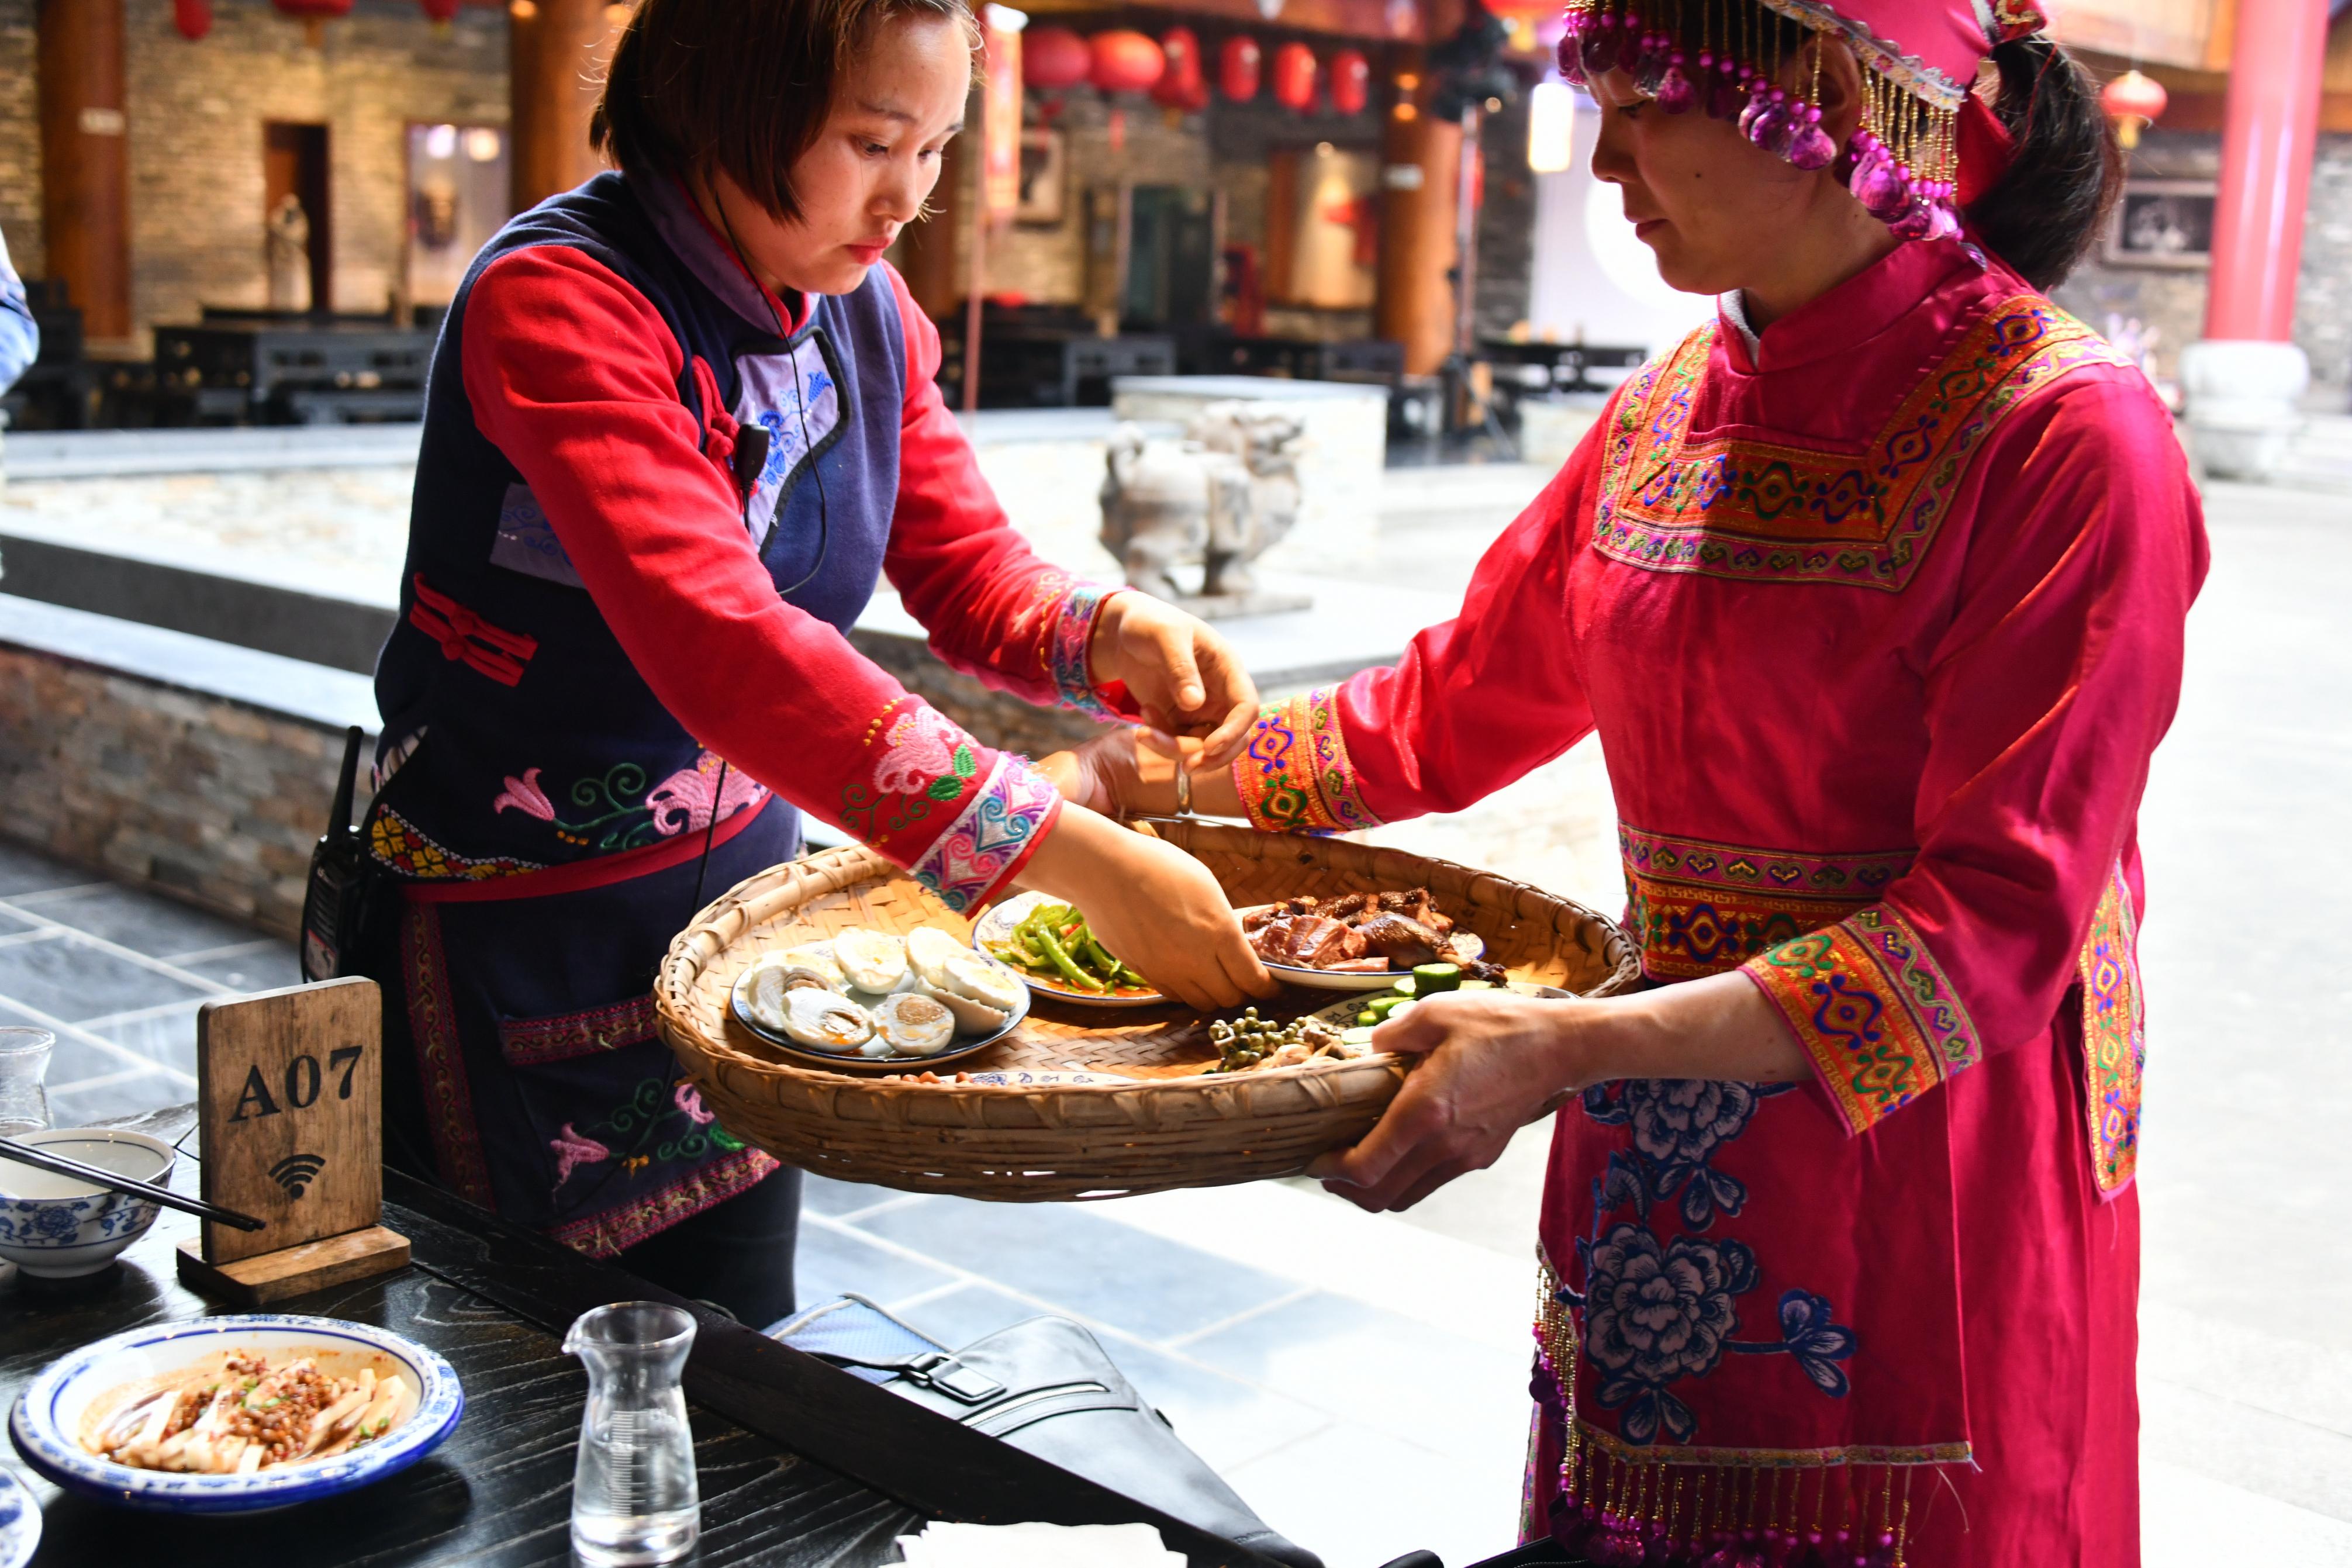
x,y
1491,1063
1151,904
1185,678
1131,772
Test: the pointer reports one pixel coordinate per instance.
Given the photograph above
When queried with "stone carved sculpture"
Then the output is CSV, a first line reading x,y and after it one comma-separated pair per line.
x,y
1222,499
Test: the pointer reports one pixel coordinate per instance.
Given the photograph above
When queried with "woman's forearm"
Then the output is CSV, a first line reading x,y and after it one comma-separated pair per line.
x,y
1718,1027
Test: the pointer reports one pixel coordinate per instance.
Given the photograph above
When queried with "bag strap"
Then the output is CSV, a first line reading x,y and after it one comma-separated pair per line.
x,y
873,1346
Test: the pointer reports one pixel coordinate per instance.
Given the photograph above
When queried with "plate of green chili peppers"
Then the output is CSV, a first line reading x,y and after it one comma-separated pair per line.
x,y
1048,943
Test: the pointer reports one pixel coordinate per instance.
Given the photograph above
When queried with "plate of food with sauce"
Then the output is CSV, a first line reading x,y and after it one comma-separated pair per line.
x,y
1365,942
235,1414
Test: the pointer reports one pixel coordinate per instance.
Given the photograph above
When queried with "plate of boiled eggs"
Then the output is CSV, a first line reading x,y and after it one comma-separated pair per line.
x,y
866,998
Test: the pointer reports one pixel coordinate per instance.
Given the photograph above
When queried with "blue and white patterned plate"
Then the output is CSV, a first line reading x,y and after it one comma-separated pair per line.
x,y
20,1521
46,1421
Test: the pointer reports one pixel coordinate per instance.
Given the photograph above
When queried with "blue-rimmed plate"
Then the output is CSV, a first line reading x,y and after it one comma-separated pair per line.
x,y
20,1521
46,1424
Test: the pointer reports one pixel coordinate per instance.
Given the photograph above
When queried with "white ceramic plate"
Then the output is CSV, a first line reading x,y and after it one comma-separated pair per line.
x,y
46,1421
20,1521
962,1046
995,927
1469,943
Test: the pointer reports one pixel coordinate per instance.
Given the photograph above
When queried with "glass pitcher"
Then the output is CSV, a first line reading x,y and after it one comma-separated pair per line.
x,y
634,1499
24,1067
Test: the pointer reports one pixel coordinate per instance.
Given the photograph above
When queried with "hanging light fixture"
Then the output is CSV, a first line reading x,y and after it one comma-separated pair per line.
x,y
2134,102
1551,126
193,18
1127,61
1175,88
440,13
1052,59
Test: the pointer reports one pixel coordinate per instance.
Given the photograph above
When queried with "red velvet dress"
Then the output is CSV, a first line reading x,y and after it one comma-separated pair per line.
x,y
1879,633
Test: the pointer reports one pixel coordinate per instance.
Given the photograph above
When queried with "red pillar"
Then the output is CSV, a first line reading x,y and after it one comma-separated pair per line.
x,y
2269,132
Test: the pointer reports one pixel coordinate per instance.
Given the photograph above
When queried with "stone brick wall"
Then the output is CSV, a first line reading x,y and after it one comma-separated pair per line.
x,y
2173,302
20,140
212,801
195,113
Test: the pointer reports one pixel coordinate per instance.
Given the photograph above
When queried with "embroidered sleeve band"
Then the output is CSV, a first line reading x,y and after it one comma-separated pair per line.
x,y
1873,1009
1296,778
1066,632
1001,824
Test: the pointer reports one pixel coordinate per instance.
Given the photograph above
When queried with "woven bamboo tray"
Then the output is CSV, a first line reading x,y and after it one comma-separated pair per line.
x,y
1174,1128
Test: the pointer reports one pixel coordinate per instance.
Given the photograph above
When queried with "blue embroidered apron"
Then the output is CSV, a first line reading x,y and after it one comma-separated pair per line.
x,y
546,813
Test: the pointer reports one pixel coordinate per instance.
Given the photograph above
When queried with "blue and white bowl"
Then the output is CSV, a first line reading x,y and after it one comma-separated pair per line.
x,y
59,1226
20,1521
46,1424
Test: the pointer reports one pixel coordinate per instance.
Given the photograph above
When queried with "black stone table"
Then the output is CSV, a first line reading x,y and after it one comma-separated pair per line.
x,y
800,1464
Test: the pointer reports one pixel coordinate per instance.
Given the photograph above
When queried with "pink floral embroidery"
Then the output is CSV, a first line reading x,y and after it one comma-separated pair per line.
x,y
525,795
688,1099
682,802
922,748
572,1150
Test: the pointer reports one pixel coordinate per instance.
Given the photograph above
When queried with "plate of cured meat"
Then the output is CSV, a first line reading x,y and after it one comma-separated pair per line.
x,y
1363,942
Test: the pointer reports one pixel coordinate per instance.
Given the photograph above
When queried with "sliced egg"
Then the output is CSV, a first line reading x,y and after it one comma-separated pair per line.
x,y
870,960
970,1016
824,1020
915,1024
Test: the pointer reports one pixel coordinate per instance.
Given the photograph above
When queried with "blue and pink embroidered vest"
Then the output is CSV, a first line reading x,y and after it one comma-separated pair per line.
x,y
517,734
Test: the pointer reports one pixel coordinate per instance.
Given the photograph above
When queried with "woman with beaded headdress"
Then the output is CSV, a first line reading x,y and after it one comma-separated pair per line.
x,y
1875,589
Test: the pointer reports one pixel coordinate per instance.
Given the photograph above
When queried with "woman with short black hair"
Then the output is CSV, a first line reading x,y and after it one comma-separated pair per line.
x,y
679,422
1873,589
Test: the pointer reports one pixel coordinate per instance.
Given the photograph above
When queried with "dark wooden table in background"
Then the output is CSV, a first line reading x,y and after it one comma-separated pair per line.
x,y
801,1464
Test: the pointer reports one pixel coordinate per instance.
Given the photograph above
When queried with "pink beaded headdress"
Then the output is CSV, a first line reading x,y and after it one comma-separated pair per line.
x,y
1920,60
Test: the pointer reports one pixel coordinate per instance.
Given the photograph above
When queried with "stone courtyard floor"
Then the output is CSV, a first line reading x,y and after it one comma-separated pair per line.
x,y
1361,1380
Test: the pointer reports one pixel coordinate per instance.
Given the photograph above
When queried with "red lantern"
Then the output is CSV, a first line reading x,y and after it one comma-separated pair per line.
x,y
1127,61
1052,59
1294,76
1352,82
1237,67
1178,83
2133,102
194,18
314,15
440,13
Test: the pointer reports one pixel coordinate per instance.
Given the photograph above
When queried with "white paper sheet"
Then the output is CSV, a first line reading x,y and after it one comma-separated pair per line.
x,y
945,1545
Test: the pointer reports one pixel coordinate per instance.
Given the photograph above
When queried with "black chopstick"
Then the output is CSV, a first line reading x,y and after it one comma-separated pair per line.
x,y
57,1165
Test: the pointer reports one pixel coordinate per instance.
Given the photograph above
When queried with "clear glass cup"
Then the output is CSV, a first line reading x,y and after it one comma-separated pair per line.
x,y
24,1069
634,1497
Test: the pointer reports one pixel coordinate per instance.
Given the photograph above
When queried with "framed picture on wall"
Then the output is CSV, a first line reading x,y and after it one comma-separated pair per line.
x,y
1045,177
2162,223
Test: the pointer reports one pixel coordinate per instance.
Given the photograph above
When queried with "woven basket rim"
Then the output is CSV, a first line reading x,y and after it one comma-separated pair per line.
x,y
849,865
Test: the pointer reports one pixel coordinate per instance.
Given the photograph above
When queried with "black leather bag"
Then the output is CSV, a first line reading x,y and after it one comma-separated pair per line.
x,y
1049,1388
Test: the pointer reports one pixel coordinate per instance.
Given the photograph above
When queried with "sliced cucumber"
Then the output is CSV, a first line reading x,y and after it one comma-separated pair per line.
x,y
1357,1037
1367,1018
1403,987
1429,979
1386,1006
1475,986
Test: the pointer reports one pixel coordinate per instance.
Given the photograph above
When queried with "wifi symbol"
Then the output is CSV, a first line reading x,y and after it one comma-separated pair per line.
x,y
297,1171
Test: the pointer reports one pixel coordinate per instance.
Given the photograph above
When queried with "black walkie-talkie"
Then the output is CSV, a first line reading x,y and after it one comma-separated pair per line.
x,y
333,901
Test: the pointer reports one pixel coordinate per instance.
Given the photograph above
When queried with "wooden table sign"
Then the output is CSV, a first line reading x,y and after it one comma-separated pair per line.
x,y
290,1089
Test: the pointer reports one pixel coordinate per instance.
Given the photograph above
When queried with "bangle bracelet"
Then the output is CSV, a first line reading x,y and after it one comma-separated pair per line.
x,y
1183,788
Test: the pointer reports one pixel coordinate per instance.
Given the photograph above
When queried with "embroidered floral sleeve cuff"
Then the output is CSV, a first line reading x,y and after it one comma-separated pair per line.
x,y
1873,1010
1294,777
1067,611
962,819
